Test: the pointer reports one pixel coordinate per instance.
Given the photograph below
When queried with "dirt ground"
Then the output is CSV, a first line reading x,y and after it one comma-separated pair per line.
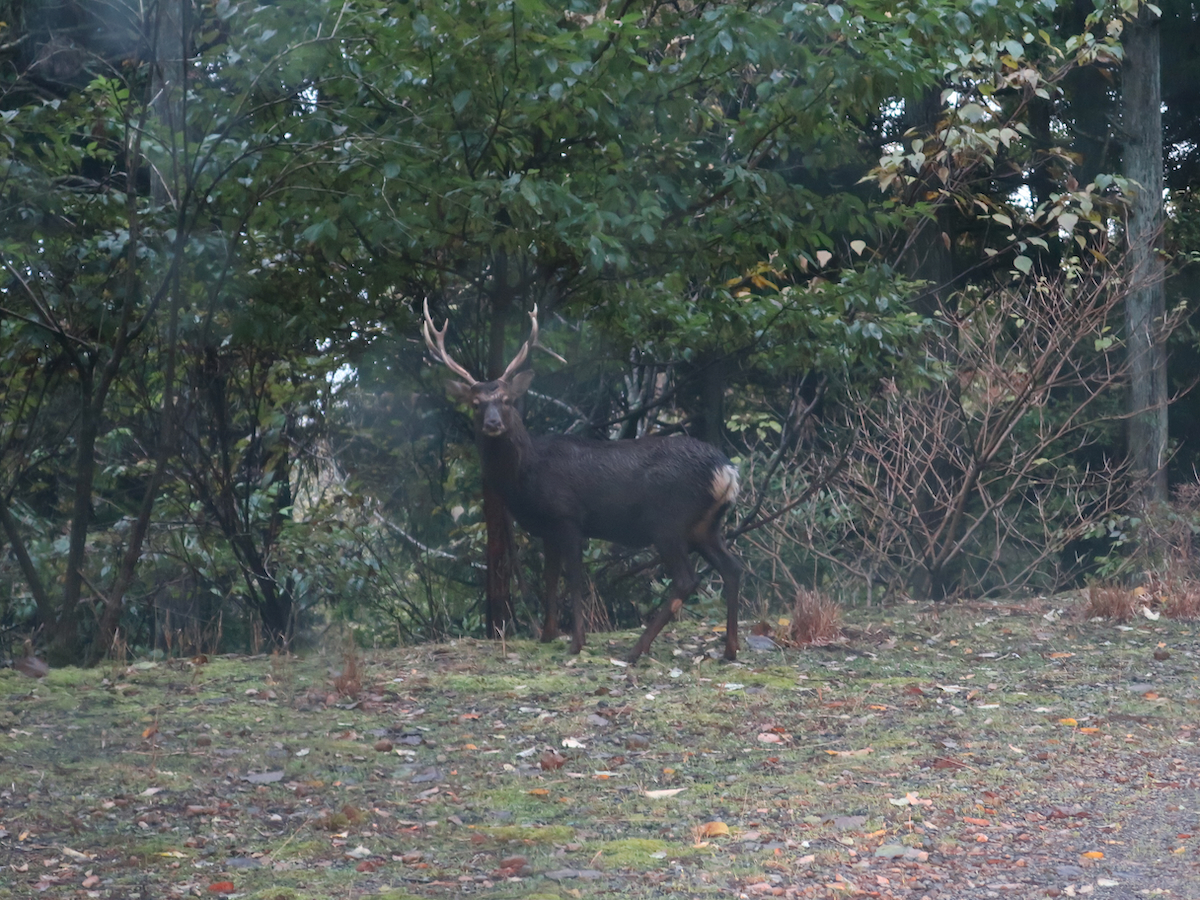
x,y
986,750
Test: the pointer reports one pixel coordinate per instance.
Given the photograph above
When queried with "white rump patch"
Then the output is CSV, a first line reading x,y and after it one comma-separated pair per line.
x,y
725,484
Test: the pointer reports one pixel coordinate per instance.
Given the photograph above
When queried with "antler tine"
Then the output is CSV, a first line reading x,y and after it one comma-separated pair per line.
x,y
439,349
523,353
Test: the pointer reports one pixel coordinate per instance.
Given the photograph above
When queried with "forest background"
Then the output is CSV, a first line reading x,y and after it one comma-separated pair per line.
x,y
924,270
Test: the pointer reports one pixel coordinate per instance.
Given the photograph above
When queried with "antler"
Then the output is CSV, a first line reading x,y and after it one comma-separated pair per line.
x,y
523,353
439,350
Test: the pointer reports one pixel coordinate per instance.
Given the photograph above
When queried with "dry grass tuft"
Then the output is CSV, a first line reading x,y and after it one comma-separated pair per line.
x,y
1170,597
1181,599
816,620
1108,601
348,682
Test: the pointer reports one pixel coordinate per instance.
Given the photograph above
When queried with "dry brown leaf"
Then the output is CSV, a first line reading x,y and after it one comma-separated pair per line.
x,y
552,760
711,829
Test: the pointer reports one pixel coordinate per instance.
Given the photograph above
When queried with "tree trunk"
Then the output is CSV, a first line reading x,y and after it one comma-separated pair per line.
x,y
12,531
499,612
114,601
711,427
65,641
1145,307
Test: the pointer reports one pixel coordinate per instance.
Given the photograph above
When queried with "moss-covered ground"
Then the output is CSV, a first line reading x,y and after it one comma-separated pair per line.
x,y
983,750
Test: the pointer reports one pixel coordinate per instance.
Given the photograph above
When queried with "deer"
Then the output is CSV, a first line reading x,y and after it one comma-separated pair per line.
x,y
669,492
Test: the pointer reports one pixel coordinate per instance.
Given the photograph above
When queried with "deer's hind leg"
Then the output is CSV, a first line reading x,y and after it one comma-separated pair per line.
x,y
715,551
683,582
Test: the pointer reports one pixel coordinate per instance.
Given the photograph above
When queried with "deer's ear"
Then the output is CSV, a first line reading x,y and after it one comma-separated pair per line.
x,y
459,391
520,383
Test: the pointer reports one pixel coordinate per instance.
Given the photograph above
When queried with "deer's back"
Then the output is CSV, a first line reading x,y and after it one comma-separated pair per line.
x,y
629,492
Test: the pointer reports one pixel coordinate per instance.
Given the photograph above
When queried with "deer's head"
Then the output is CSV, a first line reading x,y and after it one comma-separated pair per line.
x,y
494,402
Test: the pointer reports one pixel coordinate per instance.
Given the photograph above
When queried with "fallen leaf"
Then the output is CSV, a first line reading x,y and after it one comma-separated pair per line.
x,y
221,887
910,799
540,792
711,829
1070,723
863,752
665,792
1092,854
552,760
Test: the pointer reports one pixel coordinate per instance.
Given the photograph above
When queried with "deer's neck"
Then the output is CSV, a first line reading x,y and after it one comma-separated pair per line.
x,y
504,458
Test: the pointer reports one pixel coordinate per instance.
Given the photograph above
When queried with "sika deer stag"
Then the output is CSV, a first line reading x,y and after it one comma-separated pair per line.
x,y
671,492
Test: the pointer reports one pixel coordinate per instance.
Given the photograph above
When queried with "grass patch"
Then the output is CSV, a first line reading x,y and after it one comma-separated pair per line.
x,y
994,743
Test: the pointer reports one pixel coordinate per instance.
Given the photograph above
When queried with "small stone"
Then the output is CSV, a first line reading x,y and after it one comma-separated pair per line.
x,y
430,774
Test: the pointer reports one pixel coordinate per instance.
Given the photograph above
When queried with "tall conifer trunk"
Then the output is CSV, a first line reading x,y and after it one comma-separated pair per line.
x,y
1145,308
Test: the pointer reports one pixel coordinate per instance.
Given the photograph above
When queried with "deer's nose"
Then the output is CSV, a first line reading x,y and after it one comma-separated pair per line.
x,y
493,423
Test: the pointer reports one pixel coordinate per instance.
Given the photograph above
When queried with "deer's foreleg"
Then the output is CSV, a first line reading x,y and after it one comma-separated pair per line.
x,y
572,557
550,591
